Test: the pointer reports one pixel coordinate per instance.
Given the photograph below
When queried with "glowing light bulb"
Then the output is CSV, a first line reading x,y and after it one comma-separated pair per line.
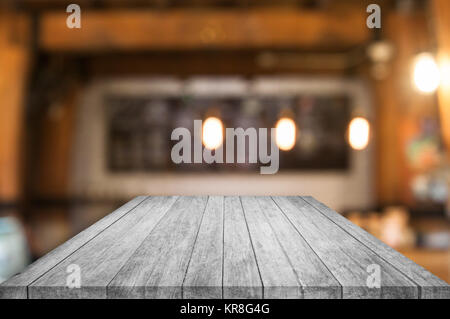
x,y
427,77
212,133
359,133
285,134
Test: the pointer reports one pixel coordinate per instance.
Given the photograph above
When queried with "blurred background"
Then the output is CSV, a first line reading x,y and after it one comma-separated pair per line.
x,y
86,114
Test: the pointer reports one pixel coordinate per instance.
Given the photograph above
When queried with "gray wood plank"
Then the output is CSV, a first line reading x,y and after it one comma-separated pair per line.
x,y
204,275
431,286
346,258
200,247
16,287
241,278
101,258
316,280
277,274
158,267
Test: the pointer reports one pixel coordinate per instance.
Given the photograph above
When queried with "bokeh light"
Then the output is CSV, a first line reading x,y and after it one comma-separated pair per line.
x,y
212,133
359,133
427,75
285,134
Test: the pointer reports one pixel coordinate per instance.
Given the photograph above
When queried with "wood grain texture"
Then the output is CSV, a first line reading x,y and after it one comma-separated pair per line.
x,y
278,277
430,285
101,258
224,247
157,269
346,258
241,278
315,279
204,276
16,287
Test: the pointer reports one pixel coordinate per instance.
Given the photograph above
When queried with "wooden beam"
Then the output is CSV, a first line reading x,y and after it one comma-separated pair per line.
x,y
14,56
441,13
204,29
399,108
205,62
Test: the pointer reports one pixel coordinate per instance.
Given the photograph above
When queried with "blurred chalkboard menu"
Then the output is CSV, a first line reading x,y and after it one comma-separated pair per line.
x,y
139,129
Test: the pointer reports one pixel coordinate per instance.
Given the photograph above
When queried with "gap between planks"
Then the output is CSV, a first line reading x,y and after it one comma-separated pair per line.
x,y
253,247
307,203
315,253
151,231
193,246
84,244
419,287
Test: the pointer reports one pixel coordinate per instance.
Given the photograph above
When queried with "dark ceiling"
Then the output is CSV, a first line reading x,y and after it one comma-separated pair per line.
x,y
162,4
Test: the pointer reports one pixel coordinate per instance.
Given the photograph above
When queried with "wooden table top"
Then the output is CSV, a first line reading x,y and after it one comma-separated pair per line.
x,y
224,247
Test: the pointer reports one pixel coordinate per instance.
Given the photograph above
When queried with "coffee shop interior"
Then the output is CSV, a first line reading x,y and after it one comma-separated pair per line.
x,y
87,111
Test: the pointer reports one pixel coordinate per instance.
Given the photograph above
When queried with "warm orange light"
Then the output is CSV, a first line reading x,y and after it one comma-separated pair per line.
x,y
445,72
285,134
427,77
212,133
359,133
